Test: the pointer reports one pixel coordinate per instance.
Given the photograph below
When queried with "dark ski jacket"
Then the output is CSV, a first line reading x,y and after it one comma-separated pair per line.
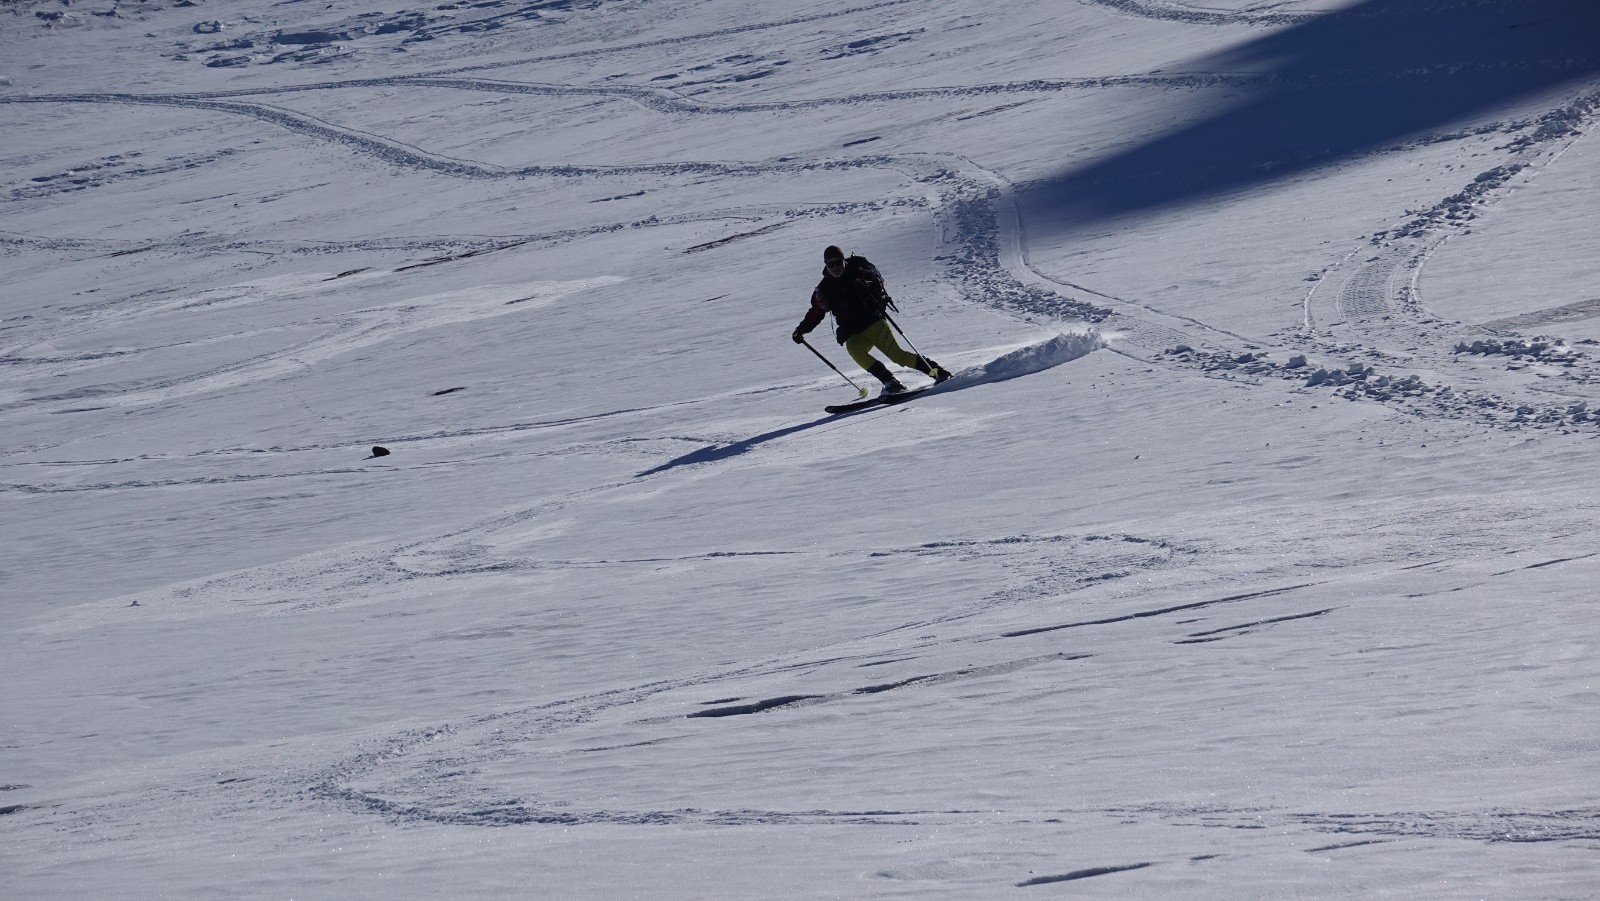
x,y
857,299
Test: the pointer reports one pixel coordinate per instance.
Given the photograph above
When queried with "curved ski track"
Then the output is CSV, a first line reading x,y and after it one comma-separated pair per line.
x,y
407,156
1369,301
1368,304
1168,11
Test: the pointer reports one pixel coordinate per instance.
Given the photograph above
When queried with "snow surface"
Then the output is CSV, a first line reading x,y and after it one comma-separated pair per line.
x,y
1251,553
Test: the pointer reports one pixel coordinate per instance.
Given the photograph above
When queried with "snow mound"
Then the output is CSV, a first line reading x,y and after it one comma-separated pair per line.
x,y
1048,354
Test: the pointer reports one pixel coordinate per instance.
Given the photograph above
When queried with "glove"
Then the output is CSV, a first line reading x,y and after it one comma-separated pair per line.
x,y
799,337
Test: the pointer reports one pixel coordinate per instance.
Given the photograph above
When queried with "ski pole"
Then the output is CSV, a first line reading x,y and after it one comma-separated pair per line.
x,y
903,335
860,390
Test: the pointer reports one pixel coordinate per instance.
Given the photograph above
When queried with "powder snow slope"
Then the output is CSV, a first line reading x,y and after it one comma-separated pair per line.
x,y
1249,554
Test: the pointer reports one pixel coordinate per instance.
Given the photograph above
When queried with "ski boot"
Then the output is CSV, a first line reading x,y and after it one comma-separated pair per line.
x,y
929,368
891,385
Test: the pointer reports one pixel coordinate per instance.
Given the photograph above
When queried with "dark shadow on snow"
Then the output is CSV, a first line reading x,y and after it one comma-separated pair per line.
x,y
1363,79
723,451
718,452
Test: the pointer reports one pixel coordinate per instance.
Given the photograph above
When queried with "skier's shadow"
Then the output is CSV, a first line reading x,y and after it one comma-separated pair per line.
x,y
719,452
726,451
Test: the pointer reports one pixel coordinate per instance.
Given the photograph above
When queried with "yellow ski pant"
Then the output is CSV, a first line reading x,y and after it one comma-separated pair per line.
x,y
877,335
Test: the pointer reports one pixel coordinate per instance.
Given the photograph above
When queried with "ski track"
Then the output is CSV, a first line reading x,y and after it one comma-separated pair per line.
x,y
1490,825
1177,12
1373,309
451,247
666,100
346,335
431,774
408,157
1369,305
512,734
682,39
1189,13
411,763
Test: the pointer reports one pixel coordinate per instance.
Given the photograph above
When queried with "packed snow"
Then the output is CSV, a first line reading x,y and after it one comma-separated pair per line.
x,y
1249,552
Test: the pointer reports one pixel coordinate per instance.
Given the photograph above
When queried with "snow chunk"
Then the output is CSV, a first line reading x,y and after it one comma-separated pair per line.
x,y
1033,358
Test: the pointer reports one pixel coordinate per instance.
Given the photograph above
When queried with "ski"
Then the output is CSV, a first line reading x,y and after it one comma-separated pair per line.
x,y
882,400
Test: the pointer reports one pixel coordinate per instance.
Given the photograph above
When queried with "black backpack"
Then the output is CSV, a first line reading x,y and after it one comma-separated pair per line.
x,y
869,284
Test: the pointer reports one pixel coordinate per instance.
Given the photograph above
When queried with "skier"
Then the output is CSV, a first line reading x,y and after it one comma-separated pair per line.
x,y
853,291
